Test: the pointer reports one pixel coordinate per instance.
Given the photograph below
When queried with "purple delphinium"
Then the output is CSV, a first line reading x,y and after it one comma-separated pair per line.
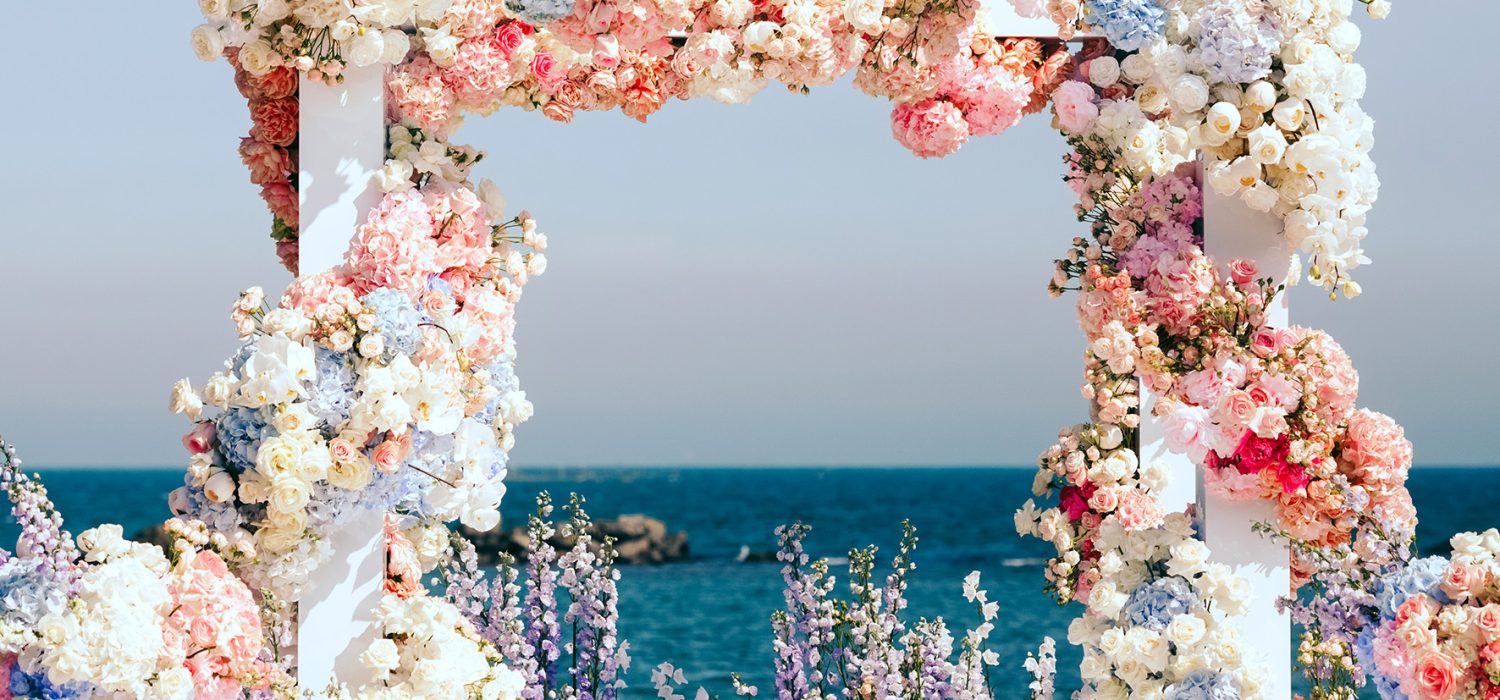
x,y
42,535
805,632
591,615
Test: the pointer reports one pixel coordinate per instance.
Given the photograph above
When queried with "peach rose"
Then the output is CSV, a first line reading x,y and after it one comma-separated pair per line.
x,y
342,451
1104,500
1435,676
1236,408
1487,622
274,121
390,454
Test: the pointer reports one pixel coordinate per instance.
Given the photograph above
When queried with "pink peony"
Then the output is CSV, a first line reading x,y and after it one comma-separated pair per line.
x,y
994,102
1073,103
930,128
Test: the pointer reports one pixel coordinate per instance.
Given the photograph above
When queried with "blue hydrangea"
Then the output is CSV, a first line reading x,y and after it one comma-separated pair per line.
x,y
240,432
1154,604
1236,44
539,12
328,506
1130,25
1421,576
36,686
332,391
195,505
26,594
396,319
241,356
1203,684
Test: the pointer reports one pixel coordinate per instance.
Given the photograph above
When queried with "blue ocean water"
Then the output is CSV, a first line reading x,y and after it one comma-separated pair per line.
x,y
710,615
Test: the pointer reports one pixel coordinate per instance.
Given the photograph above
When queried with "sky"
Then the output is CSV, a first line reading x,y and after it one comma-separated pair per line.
x,y
771,284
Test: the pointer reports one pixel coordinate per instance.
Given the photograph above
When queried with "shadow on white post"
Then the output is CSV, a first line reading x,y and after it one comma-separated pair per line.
x,y
341,146
1232,230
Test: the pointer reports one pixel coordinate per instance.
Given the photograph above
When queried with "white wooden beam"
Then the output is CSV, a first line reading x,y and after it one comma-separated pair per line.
x,y
341,145
1233,230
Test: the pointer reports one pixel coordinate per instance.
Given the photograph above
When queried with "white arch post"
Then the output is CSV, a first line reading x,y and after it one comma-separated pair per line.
x,y
341,145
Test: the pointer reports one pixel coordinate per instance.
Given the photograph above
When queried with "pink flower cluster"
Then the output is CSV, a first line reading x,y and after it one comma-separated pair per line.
x,y
270,151
214,628
1443,642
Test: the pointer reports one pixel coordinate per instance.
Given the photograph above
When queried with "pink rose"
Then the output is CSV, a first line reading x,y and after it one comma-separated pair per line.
x,y
1236,408
606,56
389,455
1242,271
1435,676
1458,581
202,631
342,451
511,36
1266,342
1487,621
201,439
1104,501
544,67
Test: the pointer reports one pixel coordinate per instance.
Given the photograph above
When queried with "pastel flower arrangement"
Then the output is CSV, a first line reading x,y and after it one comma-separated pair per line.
x,y
1156,624
1437,636
101,616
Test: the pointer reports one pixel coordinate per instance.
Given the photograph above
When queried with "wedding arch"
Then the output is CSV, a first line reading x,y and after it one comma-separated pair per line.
x,y
1219,156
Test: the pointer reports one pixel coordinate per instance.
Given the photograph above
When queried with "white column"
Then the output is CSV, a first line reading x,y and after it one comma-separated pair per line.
x,y
1232,230
341,146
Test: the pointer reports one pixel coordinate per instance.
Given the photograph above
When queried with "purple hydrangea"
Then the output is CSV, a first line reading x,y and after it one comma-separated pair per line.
x,y
1203,684
1237,41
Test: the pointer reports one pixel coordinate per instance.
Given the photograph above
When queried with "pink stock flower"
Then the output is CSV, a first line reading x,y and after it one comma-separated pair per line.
x,y
930,128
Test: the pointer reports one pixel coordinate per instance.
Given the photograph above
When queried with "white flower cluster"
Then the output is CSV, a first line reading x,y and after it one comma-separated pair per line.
x,y
1283,131
320,37
1158,620
431,651
415,154
110,633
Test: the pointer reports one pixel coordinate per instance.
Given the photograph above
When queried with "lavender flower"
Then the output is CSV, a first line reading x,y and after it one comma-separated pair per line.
x,y
43,539
1237,40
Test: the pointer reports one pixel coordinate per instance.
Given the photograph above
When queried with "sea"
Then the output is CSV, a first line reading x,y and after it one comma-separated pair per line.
x,y
710,615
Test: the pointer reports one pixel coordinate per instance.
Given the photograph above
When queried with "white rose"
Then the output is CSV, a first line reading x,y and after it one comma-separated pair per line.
x,y
1188,558
257,57
395,176
1380,9
353,475
1222,122
366,48
371,345
214,9
1186,630
1289,114
219,487
1136,68
218,390
1260,96
864,15
1267,144
381,658
289,494
208,43
175,684
441,44
1189,93
1104,71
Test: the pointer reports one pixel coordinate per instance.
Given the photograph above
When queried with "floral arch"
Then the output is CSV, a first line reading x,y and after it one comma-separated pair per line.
x,y
375,402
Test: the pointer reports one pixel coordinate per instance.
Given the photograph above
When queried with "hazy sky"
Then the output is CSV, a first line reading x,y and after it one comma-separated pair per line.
x,y
778,283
